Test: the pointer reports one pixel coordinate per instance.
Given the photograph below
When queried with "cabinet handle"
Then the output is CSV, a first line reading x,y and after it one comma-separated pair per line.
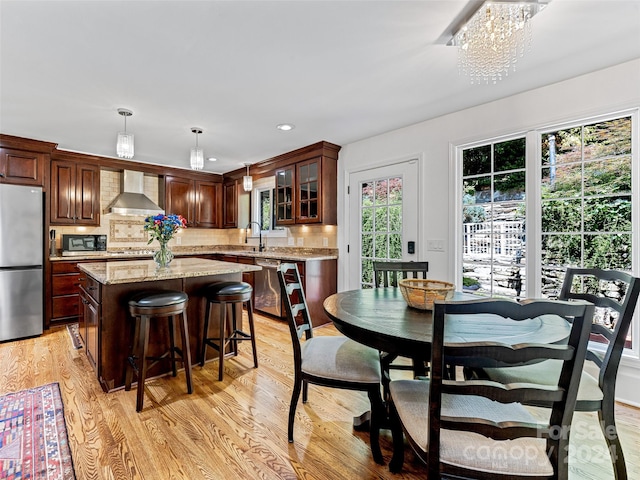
x,y
2,175
92,288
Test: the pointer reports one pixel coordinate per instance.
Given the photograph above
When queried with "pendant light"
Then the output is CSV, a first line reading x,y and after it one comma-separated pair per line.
x,y
247,181
124,145
197,155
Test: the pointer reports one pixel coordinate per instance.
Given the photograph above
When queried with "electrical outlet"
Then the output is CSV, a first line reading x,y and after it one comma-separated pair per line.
x,y
291,241
325,242
178,240
300,241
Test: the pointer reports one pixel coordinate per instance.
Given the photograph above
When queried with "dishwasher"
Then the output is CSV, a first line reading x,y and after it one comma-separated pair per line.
x,y
266,290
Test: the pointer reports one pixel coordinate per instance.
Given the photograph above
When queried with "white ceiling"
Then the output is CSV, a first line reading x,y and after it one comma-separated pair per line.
x,y
340,71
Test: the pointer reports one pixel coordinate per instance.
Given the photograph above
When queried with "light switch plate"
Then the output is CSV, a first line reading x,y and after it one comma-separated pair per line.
x,y
300,241
291,241
435,245
325,242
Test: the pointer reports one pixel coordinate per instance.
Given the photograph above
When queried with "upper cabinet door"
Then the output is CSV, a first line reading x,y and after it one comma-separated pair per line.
x,y
199,201
88,195
75,193
230,205
309,204
63,192
179,198
21,167
285,196
208,206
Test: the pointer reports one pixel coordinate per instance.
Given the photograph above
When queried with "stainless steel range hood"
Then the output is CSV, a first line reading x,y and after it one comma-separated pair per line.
x,y
132,200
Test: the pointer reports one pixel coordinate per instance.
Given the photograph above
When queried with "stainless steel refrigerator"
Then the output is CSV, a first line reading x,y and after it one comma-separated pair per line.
x,y
21,261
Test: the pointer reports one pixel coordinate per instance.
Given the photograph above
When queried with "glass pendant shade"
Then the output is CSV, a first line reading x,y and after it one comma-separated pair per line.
x,y
197,154
124,146
247,183
197,158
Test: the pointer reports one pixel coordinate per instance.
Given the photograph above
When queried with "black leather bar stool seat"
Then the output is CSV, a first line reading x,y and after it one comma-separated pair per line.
x,y
146,307
225,293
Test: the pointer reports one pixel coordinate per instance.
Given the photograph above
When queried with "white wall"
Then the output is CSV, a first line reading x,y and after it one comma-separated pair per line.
x,y
600,92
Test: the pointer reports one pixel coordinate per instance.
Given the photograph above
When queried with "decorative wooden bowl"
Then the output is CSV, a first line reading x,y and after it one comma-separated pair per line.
x,y
421,293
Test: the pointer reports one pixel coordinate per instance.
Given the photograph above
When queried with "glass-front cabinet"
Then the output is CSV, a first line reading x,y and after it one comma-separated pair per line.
x,y
306,186
308,192
285,196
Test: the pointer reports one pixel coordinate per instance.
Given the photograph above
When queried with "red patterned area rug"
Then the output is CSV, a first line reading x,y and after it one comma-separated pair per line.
x,y
33,436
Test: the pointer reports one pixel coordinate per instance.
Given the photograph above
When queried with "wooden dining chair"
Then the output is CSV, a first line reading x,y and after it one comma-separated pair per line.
x,y
387,274
480,429
331,361
615,294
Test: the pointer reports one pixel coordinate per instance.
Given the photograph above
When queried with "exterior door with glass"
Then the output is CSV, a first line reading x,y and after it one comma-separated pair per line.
x,y
383,219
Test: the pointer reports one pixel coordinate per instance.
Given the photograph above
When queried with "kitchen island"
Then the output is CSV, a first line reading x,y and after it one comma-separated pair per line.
x,y
105,290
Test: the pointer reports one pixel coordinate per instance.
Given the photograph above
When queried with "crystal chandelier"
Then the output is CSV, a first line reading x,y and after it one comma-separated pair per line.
x,y
124,144
197,154
491,41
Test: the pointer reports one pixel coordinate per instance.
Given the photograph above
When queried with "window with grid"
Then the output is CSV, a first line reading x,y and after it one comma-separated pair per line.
x,y
586,201
381,224
493,216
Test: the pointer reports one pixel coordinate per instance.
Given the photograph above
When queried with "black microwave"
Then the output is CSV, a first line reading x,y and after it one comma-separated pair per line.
x,y
84,243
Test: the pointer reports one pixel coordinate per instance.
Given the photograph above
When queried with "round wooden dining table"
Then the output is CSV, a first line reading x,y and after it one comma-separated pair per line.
x,y
380,318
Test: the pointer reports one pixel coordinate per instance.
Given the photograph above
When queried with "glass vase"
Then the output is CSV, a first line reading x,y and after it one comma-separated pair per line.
x,y
163,256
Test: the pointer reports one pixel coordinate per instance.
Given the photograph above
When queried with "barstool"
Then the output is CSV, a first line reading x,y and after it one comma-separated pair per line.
x,y
225,293
145,307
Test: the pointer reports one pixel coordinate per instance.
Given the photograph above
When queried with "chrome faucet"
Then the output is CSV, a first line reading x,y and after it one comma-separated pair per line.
x,y
260,245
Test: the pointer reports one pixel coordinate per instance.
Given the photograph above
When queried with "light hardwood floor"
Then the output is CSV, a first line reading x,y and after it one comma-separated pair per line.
x,y
235,428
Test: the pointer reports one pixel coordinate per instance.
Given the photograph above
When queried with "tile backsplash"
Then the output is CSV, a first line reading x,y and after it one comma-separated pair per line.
x,y
126,232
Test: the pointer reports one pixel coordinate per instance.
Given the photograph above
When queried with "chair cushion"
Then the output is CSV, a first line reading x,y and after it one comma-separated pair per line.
x,y
522,456
227,288
340,358
157,298
546,373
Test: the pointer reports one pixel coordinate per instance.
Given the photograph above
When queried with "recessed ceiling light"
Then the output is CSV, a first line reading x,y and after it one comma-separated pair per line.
x,y
212,159
285,127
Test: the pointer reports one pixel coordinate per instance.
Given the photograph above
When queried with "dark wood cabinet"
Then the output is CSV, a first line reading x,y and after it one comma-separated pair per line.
x,y
90,306
306,192
66,284
230,205
24,161
22,167
65,290
178,198
247,277
75,193
208,204
198,201
285,196
306,187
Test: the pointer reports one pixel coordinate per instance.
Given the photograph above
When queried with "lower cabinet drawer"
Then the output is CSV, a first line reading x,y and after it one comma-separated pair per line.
x,y
65,306
65,284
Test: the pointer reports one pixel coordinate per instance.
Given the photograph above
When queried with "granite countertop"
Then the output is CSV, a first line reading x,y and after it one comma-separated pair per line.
x,y
280,253
133,271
